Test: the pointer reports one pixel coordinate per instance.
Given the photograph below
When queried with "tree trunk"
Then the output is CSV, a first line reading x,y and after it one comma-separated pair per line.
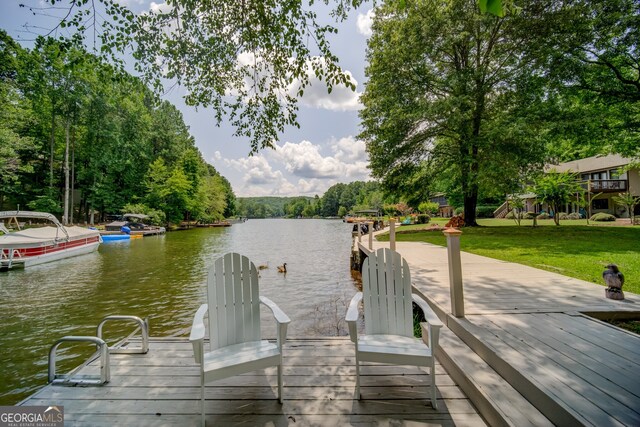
x,y
65,216
52,140
470,203
471,194
73,172
470,183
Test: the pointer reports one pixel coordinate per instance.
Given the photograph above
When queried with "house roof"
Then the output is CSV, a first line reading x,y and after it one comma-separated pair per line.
x,y
594,163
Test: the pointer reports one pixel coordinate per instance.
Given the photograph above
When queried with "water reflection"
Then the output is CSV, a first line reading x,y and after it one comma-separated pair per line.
x,y
164,278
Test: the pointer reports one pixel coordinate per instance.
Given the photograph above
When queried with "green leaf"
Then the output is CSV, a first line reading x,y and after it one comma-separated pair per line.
x,y
493,7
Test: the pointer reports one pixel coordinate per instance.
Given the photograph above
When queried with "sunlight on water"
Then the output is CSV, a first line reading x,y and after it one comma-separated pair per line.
x,y
164,278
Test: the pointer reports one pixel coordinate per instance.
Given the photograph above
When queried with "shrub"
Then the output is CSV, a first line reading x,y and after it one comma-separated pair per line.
x,y
512,214
601,216
565,216
530,215
156,217
543,216
485,211
458,211
423,219
430,208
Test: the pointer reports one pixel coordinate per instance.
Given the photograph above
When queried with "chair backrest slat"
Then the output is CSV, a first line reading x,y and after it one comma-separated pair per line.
x,y
233,298
386,289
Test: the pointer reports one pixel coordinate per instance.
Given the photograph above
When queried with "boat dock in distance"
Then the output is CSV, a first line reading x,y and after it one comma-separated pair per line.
x,y
132,224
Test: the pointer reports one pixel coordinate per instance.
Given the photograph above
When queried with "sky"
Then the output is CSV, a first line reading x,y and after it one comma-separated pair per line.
x,y
307,161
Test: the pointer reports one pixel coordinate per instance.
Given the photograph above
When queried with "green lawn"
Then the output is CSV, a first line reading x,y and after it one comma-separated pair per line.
x,y
570,249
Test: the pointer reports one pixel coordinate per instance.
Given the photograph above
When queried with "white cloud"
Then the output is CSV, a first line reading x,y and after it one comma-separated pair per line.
x,y
217,155
304,160
301,168
349,149
364,23
260,179
317,95
312,186
160,7
130,3
257,170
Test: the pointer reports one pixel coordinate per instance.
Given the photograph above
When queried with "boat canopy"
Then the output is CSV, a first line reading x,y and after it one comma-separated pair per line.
x,y
29,214
136,216
52,234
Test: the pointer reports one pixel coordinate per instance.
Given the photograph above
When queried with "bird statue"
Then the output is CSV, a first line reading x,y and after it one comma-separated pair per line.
x,y
282,268
614,280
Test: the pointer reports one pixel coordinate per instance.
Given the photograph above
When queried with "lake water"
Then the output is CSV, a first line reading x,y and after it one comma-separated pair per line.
x,y
164,278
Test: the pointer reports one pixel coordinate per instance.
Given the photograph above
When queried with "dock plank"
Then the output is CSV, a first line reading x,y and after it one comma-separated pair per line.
x,y
158,389
574,369
583,381
467,420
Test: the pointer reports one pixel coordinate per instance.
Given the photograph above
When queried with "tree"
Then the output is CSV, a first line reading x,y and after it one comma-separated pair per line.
x,y
71,122
629,201
517,205
450,90
215,205
556,189
592,54
16,149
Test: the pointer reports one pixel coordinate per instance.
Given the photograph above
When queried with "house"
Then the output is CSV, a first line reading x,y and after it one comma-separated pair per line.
x,y
445,210
602,176
607,176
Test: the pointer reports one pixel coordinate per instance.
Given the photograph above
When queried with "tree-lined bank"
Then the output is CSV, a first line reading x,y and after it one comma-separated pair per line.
x,y
77,136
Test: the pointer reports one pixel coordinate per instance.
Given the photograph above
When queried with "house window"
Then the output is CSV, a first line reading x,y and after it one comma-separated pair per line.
x,y
615,174
600,204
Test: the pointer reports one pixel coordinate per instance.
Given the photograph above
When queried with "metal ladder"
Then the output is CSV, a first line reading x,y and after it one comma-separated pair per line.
x,y
103,351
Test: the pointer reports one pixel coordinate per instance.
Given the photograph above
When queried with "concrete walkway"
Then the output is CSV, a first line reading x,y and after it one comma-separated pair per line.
x,y
529,325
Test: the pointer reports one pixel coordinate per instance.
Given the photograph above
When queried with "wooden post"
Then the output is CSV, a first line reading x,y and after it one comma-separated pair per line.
x,y
392,234
455,271
359,232
370,224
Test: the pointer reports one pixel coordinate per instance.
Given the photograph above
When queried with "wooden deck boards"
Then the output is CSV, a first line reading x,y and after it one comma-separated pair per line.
x,y
162,388
529,322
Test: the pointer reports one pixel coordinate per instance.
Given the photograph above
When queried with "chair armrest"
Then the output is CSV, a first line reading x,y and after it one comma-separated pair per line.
x,y
278,314
198,331
433,322
352,316
281,318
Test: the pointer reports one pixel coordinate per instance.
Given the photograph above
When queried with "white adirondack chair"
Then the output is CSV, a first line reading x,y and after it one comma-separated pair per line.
x,y
236,345
388,318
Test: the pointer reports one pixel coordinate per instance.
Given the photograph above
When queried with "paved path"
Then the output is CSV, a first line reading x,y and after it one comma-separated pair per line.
x,y
529,325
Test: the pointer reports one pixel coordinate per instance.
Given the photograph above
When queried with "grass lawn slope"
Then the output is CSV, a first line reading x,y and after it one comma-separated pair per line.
x,y
578,251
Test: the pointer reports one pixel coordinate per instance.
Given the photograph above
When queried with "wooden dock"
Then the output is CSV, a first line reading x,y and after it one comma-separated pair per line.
x,y
162,388
535,339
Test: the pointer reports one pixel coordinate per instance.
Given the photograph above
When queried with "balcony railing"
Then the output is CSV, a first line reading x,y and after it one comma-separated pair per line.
x,y
607,185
